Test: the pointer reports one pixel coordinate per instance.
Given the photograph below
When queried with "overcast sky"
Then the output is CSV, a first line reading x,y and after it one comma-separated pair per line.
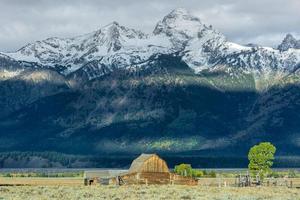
x,y
258,21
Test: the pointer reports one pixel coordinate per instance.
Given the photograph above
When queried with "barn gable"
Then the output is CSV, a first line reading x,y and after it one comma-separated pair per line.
x,y
148,163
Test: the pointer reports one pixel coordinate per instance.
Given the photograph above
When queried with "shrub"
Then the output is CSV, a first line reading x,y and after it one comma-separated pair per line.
x,y
187,170
212,174
292,174
197,173
184,169
274,174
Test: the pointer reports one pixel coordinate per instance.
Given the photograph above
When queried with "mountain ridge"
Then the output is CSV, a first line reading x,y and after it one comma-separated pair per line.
x,y
182,88
179,31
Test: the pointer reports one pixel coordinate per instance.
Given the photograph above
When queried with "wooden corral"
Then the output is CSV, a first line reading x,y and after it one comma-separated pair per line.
x,y
151,169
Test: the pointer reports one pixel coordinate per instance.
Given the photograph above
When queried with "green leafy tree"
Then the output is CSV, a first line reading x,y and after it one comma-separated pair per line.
x,y
184,169
261,158
187,170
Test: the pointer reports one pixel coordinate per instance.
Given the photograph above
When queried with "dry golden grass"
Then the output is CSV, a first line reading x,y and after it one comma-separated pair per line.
x,y
41,181
167,192
204,182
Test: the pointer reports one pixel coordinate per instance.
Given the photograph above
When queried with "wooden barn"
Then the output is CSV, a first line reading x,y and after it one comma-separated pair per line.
x,y
148,163
151,169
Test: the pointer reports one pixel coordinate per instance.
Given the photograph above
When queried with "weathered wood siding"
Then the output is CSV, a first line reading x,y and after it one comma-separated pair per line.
x,y
158,178
182,180
155,164
148,163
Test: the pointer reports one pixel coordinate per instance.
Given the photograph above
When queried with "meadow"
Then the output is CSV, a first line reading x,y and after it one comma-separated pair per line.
x,y
136,192
61,185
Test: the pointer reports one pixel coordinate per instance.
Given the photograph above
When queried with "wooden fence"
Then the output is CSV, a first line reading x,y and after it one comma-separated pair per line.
x,y
231,182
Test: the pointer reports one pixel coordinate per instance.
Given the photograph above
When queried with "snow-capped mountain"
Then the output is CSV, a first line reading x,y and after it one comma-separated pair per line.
x,y
115,46
74,53
179,27
182,87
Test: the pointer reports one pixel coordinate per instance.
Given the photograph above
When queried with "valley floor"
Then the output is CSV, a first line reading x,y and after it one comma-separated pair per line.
x,y
167,192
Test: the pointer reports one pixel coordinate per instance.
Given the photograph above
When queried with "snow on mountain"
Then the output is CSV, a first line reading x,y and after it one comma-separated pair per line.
x,y
200,50
74,53
180,26
115,46
289,42
44,85
9,67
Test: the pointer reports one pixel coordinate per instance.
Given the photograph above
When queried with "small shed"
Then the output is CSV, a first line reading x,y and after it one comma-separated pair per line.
x,y
151,169
94,177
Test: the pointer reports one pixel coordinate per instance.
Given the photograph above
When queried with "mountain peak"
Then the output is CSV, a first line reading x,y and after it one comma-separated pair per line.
x,y
114,35
289,42
127,32
183,14
179,23
201,46
289,36
115,23
180,12
112,24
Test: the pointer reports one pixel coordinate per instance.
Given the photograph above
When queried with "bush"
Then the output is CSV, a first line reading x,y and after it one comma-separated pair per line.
x,y
184,169
7,175
187,170
212,174
197,173
209,174
292,174
274,175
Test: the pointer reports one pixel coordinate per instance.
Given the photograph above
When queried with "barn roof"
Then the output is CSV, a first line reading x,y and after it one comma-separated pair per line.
x,y
137,164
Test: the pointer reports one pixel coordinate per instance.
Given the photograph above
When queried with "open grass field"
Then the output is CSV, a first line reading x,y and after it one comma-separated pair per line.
x,y
36,181
134,192
220,188
78,181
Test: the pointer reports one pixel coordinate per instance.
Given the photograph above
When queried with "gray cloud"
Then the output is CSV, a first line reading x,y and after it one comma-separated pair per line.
x,y
258,21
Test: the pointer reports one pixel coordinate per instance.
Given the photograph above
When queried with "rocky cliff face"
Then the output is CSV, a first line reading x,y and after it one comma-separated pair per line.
x,y
184,87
